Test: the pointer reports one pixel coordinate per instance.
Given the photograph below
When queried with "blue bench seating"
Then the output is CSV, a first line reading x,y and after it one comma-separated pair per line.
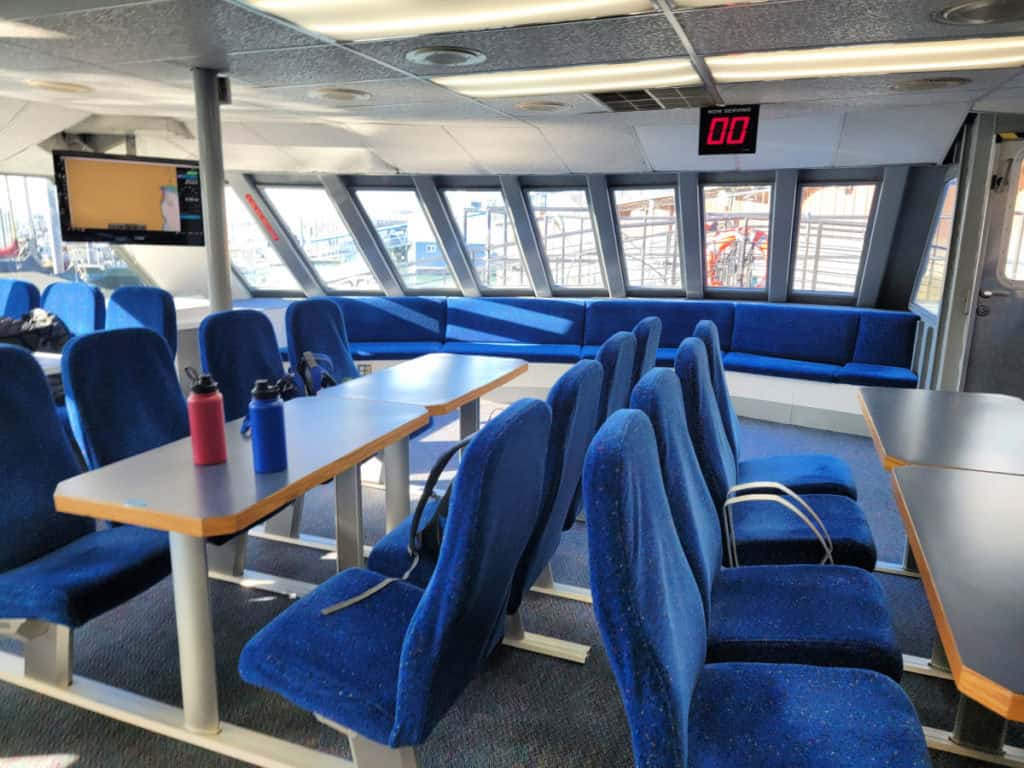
x,y
831,344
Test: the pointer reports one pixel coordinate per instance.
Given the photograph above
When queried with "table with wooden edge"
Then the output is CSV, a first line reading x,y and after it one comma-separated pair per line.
x,y
966,529
162,489
440,383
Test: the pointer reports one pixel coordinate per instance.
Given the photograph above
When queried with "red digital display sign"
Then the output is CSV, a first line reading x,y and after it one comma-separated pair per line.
x,y
728,130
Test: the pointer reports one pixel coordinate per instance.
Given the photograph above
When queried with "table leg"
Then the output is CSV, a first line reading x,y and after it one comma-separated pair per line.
x,y
938,658
348,519
195,633
395,459
978,728
469,418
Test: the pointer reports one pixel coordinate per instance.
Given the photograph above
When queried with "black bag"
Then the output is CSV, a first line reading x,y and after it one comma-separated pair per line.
x,y
313,371
36,331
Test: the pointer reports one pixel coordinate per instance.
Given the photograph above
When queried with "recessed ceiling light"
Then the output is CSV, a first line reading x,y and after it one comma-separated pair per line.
x,y
582,79
928,84
445,56
340,95
58,86
542,106
839,61
982,12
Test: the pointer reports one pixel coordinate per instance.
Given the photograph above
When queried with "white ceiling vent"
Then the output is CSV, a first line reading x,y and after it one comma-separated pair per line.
x,y
654,99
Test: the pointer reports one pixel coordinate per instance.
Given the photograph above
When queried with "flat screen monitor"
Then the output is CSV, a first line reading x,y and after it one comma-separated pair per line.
x,y
143,200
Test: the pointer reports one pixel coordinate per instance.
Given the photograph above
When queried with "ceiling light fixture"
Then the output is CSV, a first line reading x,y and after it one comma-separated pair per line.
x,y
59,86
445,56
19,30
591,78
982,12
340,95
542,106
373,19
839,61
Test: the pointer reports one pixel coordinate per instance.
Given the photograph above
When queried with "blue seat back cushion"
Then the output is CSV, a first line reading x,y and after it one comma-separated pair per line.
x,y
574,401
17,297
648,337
646,601
678,318
139,306
317,326
34,456
237,347
707,332
460,619
404,319
815,334
527,321
80,306
116,409
886,338
659,396
616,358
704,420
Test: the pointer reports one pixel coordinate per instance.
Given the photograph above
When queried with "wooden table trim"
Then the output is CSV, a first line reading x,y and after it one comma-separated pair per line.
x,y
969,682
889,463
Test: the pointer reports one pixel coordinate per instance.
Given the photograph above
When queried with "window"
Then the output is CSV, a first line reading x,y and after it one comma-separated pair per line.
x,y
406,235
830,237
316,226
1013,265
736,229
489,236
647,234
252,255
567,236
931,284
31,247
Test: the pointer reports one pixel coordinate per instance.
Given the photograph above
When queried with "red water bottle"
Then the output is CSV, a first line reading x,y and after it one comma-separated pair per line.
x,y
206,422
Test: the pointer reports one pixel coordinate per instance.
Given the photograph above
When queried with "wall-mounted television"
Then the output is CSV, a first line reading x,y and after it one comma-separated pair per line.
x,y
116,199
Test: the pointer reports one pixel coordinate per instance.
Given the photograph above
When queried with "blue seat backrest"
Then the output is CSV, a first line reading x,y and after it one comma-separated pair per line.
x,y
317,326
80,306
122,394
678,317
660,397
237,347
648,337
704,420
886,338
816,334
647,604
379,318
34,456
141,306
574,400
17,297
707,332
494,507
616,357
526,321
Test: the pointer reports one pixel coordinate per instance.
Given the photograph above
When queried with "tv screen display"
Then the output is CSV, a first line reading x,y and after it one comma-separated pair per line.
x,y
143,200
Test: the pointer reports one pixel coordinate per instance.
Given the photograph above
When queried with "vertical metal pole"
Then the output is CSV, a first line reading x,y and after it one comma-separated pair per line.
x,y
978,728
348,519
395,458
211,176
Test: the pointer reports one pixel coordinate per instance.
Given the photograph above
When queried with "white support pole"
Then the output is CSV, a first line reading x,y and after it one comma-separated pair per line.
x,y
211,179
348,519
49,655
395,460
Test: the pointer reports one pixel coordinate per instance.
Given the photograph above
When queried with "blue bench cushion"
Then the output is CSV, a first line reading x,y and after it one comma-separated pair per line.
x,y
802,614
804,473
813,334
876,375
403,319
885,338
87,577
769,534
780,366
524,321
393,350
678,318
534,353
754,715
330,664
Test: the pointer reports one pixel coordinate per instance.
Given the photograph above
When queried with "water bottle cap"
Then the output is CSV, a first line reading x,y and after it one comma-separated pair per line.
x,y
204,385
265,389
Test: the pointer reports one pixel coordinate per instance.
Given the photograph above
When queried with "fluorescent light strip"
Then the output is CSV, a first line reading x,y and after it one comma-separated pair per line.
x,y
850,60
581,79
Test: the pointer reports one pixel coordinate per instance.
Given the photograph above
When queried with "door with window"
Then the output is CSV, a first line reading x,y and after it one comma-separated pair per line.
x,y
996,361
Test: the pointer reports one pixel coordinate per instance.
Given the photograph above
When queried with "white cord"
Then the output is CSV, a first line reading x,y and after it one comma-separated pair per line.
x,y
729,503
769,484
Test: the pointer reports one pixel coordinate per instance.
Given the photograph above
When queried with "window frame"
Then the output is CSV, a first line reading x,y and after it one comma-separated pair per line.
x,y
258,293
731,293
919,309
664,291
1007,233
557,290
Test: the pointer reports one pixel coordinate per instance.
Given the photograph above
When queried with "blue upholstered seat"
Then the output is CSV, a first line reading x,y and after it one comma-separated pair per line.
x,y
17,297
317,326
616,357
534,353
56,567
766,365
681,711
390,556
391,666
707,332
648,337
393,350
80,306
877,375
765,532
139,306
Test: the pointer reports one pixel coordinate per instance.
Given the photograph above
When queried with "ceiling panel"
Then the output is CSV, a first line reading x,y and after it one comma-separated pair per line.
x,y
574,104
449,113
348,160
20,9
813,23
306,135
582,42
909,135
33,123
418,148
311,65
397,91
508,147
589,146
806,141
671,147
